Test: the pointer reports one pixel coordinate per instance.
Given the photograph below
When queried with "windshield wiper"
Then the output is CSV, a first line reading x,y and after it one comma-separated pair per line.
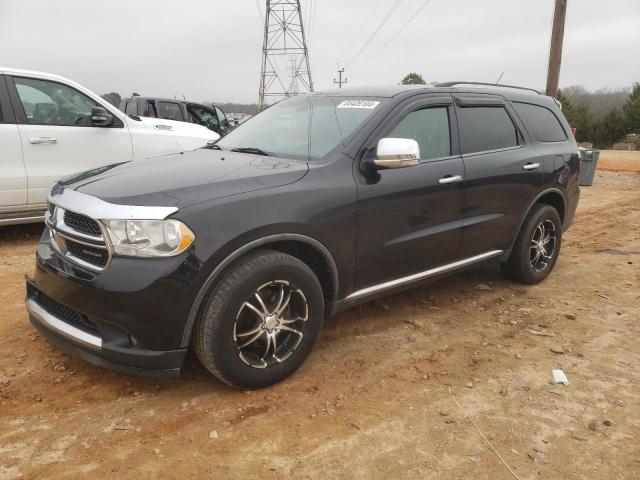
x,y
254,150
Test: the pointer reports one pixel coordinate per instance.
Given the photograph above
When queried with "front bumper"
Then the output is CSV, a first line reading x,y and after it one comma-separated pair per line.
x,y
129,318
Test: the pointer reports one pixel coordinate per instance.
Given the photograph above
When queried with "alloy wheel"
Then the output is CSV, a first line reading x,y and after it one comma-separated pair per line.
x,y
269,324
543,245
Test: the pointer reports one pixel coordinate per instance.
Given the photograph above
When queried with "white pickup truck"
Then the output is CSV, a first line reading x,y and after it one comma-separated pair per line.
x,y
51,127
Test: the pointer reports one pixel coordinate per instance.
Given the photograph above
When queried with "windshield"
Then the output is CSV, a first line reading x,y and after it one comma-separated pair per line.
x,y
302,127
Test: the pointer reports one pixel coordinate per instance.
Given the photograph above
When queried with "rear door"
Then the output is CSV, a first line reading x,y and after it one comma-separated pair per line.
x,y
54,120
13,176
503,172
410,219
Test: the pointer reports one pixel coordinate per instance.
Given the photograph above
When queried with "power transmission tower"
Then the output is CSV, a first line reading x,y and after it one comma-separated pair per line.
x,y
555,51
340,81
284,38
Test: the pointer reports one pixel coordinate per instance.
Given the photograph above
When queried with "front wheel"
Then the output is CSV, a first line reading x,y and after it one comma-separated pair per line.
x,y
537,247
260,321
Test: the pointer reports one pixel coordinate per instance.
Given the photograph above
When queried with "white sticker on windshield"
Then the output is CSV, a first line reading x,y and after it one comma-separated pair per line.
x,y
368,104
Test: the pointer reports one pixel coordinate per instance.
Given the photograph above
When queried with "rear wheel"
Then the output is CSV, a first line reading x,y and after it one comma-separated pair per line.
x,y
260,321
537,247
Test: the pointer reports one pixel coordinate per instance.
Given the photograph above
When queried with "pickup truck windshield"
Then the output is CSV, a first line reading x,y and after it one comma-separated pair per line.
x,y
302,128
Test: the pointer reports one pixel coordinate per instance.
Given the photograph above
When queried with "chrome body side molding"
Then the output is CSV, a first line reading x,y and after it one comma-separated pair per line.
x,y
422,275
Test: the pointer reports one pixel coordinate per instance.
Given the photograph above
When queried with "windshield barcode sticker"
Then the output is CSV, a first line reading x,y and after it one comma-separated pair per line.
x,y
368,104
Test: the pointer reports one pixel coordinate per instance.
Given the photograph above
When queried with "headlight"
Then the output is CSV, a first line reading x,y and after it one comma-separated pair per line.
x,y
148,238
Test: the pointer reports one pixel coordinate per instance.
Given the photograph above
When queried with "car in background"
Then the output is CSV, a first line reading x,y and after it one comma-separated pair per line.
x,y
178,110
51,127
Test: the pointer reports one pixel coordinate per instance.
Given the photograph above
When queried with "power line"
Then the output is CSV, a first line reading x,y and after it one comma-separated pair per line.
x,y
375,31
393,37
364,24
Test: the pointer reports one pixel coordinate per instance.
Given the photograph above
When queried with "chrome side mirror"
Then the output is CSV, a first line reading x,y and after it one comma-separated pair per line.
x,y
397,153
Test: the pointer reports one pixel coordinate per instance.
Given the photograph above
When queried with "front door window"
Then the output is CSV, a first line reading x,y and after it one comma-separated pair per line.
x,y
51,103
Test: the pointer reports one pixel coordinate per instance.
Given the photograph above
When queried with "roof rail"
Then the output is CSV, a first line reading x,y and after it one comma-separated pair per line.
x,y
453,84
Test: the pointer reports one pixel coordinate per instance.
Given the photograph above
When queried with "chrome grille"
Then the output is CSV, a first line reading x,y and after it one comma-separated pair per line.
x,y
82,223
78,238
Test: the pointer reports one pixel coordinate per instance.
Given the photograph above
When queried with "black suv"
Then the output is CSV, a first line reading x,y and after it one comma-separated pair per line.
x,y
211,117
316,204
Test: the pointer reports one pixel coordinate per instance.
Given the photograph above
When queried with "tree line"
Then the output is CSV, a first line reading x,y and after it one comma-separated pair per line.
x,y
592,124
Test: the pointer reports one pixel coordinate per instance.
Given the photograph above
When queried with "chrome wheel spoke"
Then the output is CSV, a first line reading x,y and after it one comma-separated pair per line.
x,y
285,321
267,347
265,310
252,339
283,303
250,332
252,307
289,329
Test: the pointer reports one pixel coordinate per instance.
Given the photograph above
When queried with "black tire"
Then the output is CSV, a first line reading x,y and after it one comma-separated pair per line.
x,y
521,265
217,340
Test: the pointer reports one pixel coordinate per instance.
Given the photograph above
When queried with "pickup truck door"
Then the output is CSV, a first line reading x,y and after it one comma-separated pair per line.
x,y
54,120
13,176
409,220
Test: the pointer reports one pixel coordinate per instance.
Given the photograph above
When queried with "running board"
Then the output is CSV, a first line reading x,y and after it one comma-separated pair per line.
x,y
422,275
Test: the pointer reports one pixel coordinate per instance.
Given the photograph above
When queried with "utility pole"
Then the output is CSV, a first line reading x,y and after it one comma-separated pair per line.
x,y
340,81
284,39
555,51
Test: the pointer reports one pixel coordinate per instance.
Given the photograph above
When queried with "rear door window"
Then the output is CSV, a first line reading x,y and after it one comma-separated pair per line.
x,y
170,111
541,122
486,128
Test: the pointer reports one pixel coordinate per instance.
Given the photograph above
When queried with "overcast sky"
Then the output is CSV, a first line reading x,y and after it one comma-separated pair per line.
x,y
211,49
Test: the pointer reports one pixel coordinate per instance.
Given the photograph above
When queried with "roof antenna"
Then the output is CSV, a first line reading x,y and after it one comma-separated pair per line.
x,y
499,78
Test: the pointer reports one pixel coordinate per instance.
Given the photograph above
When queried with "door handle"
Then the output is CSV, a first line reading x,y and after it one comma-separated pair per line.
x,y
531,166
42,140
450,179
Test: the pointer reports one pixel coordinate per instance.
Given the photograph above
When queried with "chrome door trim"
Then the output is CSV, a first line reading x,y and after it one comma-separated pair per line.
x,y
100,210
421,275
63,328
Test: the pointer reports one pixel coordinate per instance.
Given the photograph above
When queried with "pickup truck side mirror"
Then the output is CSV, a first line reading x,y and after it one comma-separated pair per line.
x,y
100,117
396,153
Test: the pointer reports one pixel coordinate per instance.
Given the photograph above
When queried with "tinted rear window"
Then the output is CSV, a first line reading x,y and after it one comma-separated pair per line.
x,y
541,122
486,128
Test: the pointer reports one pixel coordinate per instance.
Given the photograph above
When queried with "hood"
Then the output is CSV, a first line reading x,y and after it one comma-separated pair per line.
x,y
163,126
183,179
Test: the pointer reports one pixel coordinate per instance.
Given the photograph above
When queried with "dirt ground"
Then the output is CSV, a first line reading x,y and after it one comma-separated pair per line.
x,y
381,396
619,160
